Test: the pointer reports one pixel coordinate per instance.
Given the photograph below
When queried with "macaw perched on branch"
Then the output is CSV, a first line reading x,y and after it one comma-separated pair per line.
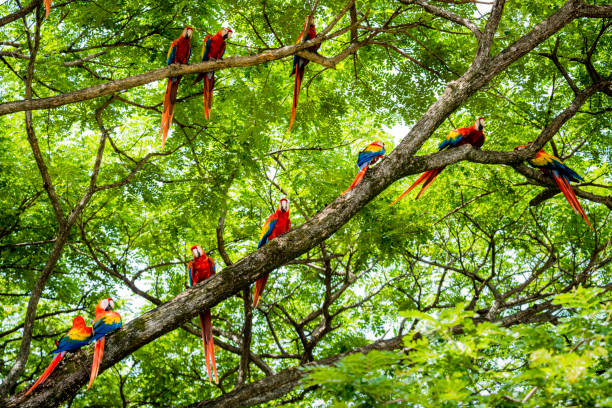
x,y
468,135
105,322
367,156
47,7
212,50
299,64
201,268
276,225
179,53
553,167
78,336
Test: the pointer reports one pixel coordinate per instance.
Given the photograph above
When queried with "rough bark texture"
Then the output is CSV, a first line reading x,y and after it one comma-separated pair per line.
x,y
275,386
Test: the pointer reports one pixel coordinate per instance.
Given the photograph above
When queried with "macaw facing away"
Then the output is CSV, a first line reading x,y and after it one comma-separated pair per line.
x,y
47,7
458,137
200,268
299,64
105,322
212,50
78,336
553,167
179,53
276,225
367,156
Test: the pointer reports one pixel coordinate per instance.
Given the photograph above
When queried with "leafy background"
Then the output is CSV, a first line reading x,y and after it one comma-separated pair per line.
x,y
131,242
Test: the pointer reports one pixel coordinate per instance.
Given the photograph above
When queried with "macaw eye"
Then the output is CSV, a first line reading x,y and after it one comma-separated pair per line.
x,y
104,303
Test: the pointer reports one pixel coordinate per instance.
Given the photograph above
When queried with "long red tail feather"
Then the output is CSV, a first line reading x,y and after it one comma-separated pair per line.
x,y
570,196
259,287
48,371
168,112
47,7
433,174
299,74
209,343
97,358
358,178
418,181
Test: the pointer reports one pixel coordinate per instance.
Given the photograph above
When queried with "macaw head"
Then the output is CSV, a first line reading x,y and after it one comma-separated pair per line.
x,y
227,33
479,125
196,250
188,32
105,305
284,204
78,322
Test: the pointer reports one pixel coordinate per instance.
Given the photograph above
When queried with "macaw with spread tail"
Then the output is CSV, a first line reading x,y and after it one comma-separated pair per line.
x,y
78,336
276,225
201,268
553,167
212,50
367,156
105,322
473,135
299,64
179,53
47,7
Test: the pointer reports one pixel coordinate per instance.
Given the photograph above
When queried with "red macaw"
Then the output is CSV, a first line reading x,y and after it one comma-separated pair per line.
x,y
179,53
276,225
212,50
553,167
200,268
78,336
299,64
468,135
105,322
367,156
47,7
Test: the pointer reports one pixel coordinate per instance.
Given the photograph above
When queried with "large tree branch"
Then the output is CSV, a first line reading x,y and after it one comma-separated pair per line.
x,y
275,386
111,87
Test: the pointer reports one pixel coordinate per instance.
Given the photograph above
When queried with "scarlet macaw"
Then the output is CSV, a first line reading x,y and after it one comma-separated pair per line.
x,y
276,225
212,49
553,167
179,53
367,156
200,268
78,336
468,135
299,64
105,322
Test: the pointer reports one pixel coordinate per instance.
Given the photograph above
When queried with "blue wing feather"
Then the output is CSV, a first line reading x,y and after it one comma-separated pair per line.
x,y
264,238
171,57
190,274
207,49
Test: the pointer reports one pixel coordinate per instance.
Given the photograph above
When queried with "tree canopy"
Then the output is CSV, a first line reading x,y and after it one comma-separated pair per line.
x,y
486,291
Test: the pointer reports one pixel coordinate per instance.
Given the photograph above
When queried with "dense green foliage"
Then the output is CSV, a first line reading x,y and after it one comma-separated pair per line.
x,y
443,260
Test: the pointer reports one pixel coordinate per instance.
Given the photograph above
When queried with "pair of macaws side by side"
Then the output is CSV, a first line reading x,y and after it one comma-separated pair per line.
x,y
299,64
200,268
105,322
550,165
179,53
